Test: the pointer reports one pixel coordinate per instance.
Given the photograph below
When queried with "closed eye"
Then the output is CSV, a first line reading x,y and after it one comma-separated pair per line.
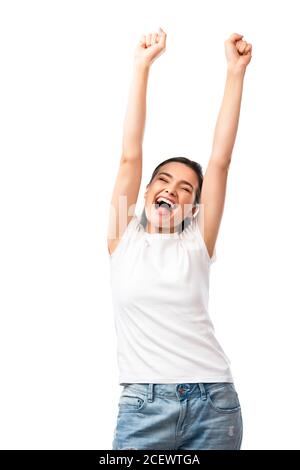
x,y
160,178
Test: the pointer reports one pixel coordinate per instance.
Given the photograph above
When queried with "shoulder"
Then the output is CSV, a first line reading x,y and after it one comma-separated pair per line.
x,y
192,232
132,228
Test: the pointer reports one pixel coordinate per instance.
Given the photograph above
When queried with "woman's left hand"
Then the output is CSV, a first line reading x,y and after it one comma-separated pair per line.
x,y
238,53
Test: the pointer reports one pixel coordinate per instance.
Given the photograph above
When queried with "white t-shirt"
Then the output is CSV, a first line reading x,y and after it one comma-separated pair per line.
x,y
160,293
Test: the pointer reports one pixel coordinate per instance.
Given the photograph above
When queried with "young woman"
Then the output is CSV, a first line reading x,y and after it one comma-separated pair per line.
x,y
178,390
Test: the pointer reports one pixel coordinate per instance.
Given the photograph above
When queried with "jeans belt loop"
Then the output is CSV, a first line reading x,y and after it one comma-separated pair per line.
x,y
202,390
150,392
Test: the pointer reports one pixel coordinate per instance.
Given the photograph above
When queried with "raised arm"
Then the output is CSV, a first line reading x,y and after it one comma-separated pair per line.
x,y
128,180
212,199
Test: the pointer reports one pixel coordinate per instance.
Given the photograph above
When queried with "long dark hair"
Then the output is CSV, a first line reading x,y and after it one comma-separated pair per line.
x,y
197,169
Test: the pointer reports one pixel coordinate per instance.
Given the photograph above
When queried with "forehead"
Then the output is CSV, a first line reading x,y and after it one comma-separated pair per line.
x,y
180,171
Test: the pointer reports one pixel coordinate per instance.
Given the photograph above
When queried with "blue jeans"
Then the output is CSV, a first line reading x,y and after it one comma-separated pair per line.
x,y
191,416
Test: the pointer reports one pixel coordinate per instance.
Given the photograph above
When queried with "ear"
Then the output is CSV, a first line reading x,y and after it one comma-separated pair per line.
x,y
146,190
195,210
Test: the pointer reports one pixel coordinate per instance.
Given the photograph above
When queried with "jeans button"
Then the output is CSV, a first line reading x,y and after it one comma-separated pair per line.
x,y
182,388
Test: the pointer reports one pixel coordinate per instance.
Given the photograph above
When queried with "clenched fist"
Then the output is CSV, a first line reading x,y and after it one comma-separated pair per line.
x,y
238,52
150,47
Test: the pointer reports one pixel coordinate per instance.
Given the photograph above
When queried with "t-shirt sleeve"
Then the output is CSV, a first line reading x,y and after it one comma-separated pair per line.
x,y
129,231
196,229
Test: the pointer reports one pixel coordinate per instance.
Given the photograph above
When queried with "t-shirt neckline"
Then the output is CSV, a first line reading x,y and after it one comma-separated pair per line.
x,y
159,234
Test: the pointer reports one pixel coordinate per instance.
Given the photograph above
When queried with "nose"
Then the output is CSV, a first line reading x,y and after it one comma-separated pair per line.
x,y
171,192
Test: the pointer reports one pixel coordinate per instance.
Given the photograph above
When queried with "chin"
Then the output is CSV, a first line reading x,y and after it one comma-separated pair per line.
x,y
166,222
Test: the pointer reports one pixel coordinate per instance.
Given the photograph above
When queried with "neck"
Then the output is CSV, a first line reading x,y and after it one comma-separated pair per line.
x,y
151,229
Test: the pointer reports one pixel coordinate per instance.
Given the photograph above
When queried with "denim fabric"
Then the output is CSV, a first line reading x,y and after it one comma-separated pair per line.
x,y
192,416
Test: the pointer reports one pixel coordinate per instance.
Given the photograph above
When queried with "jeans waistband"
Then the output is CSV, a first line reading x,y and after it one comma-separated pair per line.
x,y
172,390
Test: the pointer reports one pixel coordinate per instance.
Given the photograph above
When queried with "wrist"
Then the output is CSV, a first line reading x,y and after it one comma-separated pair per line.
x,y
236,72
141,65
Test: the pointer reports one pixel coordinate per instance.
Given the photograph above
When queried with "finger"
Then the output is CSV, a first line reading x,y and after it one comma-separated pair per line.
x,y
234,37
143,40
153,40
148,40
248,48
242,46
163,36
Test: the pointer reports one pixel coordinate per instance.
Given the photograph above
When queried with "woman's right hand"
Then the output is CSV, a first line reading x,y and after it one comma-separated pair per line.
x,y
150,47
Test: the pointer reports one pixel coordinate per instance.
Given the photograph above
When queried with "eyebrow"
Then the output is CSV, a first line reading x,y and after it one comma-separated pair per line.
x,y
181,181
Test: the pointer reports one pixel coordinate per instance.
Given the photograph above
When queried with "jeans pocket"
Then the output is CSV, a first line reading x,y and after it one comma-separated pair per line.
x,y
131,401
223,397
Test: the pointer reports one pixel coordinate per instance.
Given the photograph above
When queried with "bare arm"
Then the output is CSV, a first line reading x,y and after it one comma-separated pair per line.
x,y
149,48
213,191
228,119
128,180
135,117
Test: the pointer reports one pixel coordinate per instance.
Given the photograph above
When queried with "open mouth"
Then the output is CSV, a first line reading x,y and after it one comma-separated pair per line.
x,y
163,206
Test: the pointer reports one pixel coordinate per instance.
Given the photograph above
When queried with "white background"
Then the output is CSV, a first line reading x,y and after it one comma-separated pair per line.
x,y
65,70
